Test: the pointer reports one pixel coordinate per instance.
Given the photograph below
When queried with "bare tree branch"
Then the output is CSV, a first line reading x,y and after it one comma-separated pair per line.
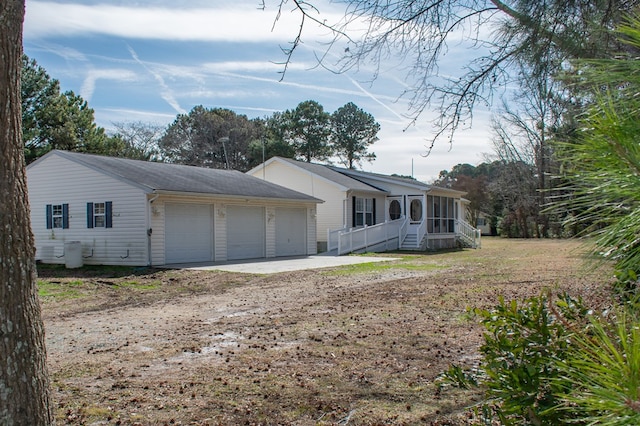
x,y
496,33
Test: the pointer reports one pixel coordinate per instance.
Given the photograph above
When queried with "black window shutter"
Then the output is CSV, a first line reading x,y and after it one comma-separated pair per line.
x,y
65,216
373,208
353,213
89,215
49,216
108,221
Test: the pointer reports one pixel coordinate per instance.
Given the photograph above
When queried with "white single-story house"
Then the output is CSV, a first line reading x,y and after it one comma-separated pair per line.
x,y
374,212
129,212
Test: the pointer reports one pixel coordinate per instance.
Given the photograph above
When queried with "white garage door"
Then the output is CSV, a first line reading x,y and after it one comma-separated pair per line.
x,y
188,233
245,232
291,232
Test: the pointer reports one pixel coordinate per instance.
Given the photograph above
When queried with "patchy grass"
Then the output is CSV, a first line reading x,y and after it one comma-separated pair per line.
x,y
369,268
60,290
357,345
141,286
91,288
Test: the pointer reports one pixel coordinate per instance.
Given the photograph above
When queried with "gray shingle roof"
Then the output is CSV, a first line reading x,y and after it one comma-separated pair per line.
x,y
329,173
355,174
188,179
364,181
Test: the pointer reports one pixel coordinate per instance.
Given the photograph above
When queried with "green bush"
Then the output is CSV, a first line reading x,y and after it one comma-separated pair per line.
x,y
524,345
547,363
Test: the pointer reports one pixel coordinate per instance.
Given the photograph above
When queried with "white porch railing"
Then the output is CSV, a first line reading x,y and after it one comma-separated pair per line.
x,y
348,240
403,231
332,238
394,234
422,231
468,234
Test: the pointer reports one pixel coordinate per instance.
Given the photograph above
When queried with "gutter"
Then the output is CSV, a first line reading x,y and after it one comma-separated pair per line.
x,y
235,198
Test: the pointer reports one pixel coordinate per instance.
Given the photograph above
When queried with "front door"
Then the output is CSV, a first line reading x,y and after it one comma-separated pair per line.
x,y
394,208
415,209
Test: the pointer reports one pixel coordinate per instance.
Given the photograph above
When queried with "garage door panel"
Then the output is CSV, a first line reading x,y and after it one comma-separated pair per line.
x,y
291,231
188,233
245,232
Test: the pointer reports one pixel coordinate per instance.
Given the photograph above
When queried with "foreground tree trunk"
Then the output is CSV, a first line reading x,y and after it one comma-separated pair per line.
x,y
24,382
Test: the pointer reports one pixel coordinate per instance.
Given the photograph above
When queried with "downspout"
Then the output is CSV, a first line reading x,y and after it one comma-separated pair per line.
x,y
149,229
345,209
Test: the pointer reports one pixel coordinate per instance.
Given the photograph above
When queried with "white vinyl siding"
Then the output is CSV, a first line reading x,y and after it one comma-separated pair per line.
x,y
188,233
312,243
245,232
291,235
123,244
330,214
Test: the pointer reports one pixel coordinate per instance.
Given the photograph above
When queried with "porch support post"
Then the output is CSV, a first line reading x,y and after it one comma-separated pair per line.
x,y
424,208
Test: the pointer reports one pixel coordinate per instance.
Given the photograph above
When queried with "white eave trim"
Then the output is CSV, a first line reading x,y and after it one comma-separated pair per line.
x,y
236,198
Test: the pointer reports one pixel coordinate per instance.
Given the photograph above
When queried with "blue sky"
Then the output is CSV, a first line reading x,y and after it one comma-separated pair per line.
x,y
151,60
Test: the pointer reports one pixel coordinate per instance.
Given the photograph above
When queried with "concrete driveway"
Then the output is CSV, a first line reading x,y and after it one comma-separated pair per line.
x,y
282,264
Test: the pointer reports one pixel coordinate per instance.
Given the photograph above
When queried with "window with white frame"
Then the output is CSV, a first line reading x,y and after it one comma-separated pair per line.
x,y
57,216
99,214
364,212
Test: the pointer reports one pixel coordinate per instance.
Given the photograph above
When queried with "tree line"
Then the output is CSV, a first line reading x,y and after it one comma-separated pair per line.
x,y
204,137
507,196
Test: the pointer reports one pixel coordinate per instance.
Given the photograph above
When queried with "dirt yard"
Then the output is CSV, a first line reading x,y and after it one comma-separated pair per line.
x,y
357,345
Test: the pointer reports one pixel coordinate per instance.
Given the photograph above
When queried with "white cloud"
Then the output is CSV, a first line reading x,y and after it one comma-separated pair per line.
x,y
222,21
66,53
105,117
89,84
252,66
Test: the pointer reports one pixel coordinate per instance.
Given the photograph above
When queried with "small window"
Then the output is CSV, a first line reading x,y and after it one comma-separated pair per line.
x,y
99,215
57,216
395,210
368,211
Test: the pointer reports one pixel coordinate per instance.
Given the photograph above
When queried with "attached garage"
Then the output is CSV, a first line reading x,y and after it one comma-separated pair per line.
x,y
162,214
291,231
245,232
188,233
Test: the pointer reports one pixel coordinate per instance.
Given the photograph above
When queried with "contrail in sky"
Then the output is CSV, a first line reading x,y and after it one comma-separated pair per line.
x,y
165,92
